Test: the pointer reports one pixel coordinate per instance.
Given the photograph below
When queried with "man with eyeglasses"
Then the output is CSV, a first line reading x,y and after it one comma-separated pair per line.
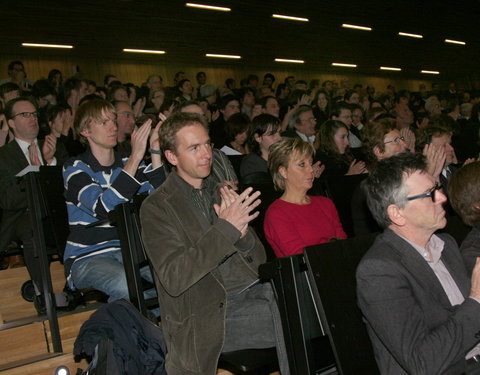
x,y
421,309
23,151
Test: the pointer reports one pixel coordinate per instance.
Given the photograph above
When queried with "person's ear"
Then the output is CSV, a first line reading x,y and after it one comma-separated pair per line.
x,y
283,171
171,157
11,124
377,152
396,215
85,132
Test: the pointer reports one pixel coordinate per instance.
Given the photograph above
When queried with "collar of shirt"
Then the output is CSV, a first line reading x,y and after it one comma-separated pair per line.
x,y
310,139
446,172
435,244
202,198
354,140
92,161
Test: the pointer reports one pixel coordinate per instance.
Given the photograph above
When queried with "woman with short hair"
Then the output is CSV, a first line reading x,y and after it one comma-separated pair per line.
x,y
264,131
297,220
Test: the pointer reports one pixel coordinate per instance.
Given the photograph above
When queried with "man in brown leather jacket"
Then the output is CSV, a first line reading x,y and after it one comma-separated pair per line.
x,y
205,258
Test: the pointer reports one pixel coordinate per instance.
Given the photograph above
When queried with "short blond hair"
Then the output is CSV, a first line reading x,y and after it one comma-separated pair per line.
x,y
88,112
280,153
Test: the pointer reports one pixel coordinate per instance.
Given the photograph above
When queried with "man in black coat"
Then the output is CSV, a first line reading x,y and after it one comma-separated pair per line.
x,y
25,150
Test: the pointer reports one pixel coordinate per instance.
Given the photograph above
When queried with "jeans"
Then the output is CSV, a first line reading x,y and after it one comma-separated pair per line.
x,y
253,322
106,273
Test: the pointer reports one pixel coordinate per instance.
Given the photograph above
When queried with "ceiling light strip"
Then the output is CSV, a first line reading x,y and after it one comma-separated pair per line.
x,y
455,41
390,68
223,56
144,51
47,45
290,18
290,61
419,36
349,26
345,65
209,7
430,72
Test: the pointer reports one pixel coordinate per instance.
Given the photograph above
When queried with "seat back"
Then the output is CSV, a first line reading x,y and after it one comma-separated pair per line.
x,y
340,190
307,346
56,216
331,271
236,160
126,217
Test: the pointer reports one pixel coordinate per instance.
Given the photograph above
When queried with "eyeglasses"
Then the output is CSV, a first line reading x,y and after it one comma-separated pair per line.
x,y
26,114
395,140
430,193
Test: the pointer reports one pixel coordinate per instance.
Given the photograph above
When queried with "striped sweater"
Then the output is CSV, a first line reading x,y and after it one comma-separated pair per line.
x,y
91,191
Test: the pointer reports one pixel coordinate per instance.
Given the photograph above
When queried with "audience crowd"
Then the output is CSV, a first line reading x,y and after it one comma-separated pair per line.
x,y
291,135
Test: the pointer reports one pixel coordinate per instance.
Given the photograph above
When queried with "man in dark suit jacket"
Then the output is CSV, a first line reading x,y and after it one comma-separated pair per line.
x,y
302,124
23,151
421,310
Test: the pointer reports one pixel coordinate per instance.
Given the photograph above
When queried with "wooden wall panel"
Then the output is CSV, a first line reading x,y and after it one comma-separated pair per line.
x,y
137,70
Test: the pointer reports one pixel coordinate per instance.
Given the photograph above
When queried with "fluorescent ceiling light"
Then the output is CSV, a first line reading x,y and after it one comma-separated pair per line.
x,y
390,68
223,56
410,35
430,72
290,61
345,65
455,42
348,26
144,51
290,18
47,45
209,7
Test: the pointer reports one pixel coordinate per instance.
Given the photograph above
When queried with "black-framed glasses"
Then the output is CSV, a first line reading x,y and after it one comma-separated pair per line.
x,y
430,193
26,114
396,140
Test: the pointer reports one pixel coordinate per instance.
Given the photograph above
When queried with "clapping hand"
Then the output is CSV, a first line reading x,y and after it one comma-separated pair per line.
x,y
49,148
237,208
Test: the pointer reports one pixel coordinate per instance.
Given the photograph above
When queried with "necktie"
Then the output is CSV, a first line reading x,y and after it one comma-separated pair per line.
x,y
33,154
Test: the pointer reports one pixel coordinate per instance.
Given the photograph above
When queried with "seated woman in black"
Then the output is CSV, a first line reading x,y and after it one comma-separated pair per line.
x,y
237,133
333,150
264,131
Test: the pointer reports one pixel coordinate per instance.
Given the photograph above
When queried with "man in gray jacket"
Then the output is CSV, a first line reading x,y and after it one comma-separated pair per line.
x,y
205,258
421,309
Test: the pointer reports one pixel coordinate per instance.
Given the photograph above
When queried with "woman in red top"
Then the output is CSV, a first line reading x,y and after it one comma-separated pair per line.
x,y
297,220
